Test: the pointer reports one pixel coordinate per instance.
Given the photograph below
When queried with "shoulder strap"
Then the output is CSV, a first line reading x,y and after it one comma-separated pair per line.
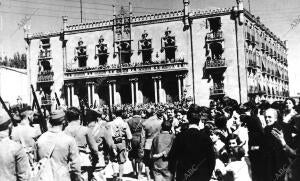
x,y
51,150
138,125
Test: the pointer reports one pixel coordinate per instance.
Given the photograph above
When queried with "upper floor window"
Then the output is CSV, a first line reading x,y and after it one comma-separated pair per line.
x,y
214,24
145,47
168,45
81,54
101,51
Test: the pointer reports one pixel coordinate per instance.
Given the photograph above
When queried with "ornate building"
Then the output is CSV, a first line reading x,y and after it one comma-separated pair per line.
x,y
161,57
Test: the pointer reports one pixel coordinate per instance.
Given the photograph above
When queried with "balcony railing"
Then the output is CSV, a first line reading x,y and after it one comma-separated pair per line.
x,y
212,64
217,91
215,36
126,69
45,55
45,76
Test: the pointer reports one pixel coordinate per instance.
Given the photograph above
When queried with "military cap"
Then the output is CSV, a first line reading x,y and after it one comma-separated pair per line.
x,y
57,116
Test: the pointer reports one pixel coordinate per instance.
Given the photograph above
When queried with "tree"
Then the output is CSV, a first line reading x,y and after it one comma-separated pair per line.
x,y
18,61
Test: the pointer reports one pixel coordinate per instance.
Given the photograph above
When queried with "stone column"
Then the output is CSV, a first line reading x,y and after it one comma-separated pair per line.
x,y
110,93
132,91
155,90
160,96
69,94
179,77
89,93
72,94
93,92
139,94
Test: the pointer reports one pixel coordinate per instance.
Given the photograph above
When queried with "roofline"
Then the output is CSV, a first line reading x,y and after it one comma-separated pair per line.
x,y
136,20
15,69
263,27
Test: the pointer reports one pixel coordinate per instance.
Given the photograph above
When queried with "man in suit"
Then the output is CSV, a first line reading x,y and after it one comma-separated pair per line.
x,y
193,151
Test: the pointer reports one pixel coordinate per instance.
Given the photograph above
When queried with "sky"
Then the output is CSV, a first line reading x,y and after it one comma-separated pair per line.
x,y
44,15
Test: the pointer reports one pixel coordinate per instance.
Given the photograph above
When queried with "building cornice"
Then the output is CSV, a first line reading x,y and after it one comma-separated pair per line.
x,y
210,12
41,35
136,21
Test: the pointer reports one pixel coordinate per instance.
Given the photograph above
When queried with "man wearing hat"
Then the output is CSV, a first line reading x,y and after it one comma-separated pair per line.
x,y
65,154
84,139
14,164
25,133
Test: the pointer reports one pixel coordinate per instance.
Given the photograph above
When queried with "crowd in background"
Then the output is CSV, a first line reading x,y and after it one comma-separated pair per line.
x,y
172,141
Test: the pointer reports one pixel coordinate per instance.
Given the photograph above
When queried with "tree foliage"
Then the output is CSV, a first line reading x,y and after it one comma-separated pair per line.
x,y
17,61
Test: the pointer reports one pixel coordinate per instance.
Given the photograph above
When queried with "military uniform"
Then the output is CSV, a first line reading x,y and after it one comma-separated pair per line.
x,y
65,155
120,132
87,147
14,164
138,138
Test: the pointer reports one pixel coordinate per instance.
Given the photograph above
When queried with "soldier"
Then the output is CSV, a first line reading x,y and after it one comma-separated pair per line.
x,y
122,139
14,164
85,142
65,154
103,137
138,141
152,127
26,134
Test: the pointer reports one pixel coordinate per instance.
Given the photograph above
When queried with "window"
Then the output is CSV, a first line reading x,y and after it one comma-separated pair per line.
x,y
80,54
145,47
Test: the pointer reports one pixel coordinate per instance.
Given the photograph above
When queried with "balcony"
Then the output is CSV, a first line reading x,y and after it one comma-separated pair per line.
x,y
45,76
251,64
216,64
217,91
214,36
126,69
45,55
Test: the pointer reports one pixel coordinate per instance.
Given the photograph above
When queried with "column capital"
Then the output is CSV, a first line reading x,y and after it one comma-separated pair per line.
x,y
69,84
156,77
133,79
111,81
90,83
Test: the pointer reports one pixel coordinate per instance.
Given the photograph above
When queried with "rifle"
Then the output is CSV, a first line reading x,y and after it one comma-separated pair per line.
x,y
57,100
8,111
42,120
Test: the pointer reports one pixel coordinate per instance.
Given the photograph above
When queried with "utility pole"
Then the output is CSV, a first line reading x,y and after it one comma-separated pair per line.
x,y
249,5
81,11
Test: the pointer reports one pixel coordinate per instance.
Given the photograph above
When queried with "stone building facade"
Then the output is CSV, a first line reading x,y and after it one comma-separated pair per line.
x,y
162,57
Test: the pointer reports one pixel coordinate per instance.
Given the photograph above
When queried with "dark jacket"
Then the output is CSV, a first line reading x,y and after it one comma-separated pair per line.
x,y
275,158
194,155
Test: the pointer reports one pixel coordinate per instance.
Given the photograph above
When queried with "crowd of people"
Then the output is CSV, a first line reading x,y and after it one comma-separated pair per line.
x,y
179,141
